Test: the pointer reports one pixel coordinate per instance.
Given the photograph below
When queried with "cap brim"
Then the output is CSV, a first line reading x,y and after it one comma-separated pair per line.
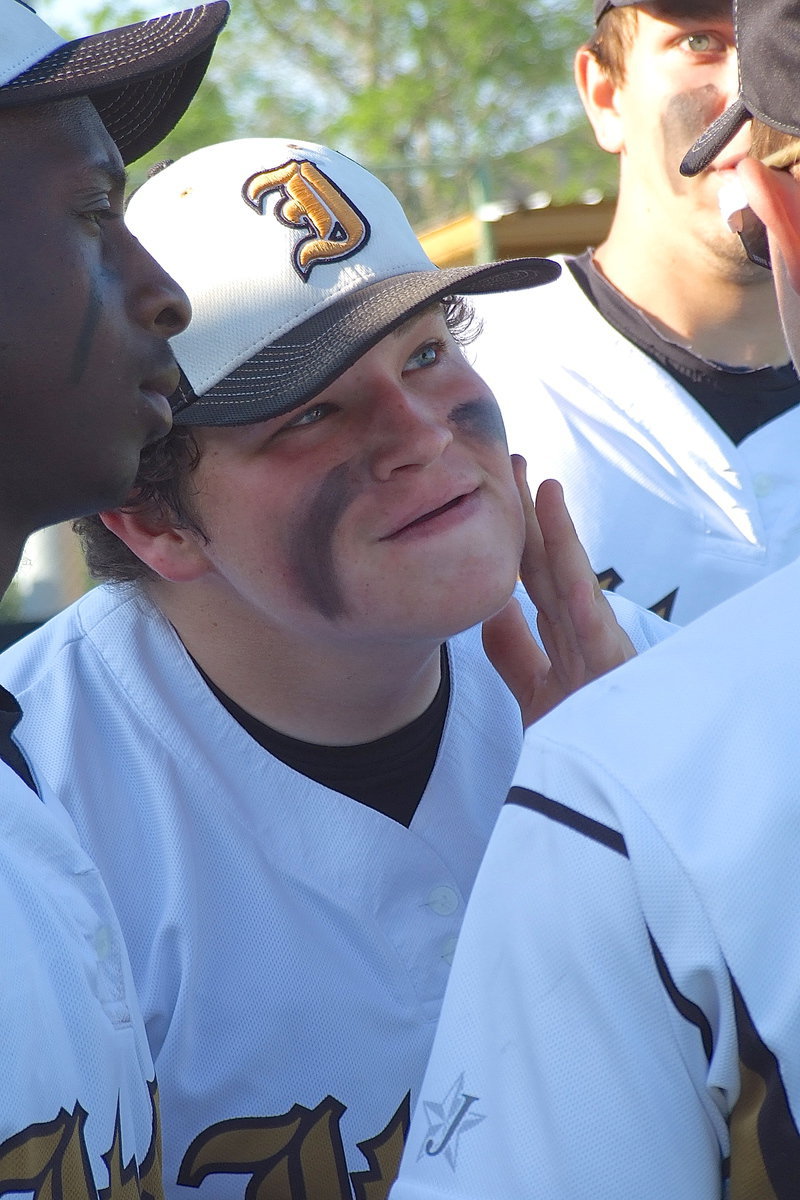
x,y
296,367
715,138
141,78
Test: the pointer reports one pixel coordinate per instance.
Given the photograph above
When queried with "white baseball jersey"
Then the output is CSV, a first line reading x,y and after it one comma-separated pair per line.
x,y
290,945
672,513
78,1110
623,1015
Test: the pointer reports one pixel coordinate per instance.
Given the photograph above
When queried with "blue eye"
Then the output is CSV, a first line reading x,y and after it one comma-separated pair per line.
x,y
310,416
704,43
426,356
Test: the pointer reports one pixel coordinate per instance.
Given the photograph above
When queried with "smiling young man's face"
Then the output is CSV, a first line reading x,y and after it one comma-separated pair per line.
x,y
385,508
85,315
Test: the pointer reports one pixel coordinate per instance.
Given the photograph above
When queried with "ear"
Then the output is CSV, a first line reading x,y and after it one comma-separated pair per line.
x,y
173,553
599,97
774,197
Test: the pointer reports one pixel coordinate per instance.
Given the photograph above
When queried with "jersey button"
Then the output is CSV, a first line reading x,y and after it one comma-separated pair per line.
x,y
443,900
449,949
762,485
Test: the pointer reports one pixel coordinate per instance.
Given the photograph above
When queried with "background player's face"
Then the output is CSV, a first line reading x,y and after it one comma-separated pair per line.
x,y
384,508
84,317
681,73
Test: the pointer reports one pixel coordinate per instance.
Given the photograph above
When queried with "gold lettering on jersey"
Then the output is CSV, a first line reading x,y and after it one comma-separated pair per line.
x,y
51,1161
383,1153
765,1139
298,1156
311,201
748,1173
663,608
610,580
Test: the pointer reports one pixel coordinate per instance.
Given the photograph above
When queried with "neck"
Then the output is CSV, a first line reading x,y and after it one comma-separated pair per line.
x,y
326,693
721,309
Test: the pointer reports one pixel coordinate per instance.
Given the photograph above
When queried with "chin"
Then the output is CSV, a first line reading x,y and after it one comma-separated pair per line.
x,y
485,599
109,490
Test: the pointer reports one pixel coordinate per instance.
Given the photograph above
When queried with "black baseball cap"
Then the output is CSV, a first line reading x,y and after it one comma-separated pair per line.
x,y
768,42
140,78
601,7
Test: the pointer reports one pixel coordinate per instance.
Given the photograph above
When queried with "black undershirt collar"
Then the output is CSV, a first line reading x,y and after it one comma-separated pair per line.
x,y
739,400
389,775
10,753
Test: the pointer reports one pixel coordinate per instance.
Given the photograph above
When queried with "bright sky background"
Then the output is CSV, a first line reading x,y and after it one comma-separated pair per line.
x,y
69,12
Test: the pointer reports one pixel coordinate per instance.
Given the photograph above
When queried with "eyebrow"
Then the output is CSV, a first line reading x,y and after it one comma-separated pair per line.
x,y
109,169
116,174
434,306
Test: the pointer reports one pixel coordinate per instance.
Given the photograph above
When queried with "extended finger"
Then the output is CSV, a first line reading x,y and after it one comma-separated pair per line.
x,y
518,658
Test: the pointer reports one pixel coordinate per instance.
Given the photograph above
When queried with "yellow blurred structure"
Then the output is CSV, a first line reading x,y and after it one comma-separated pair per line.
x,y
51,573
552,229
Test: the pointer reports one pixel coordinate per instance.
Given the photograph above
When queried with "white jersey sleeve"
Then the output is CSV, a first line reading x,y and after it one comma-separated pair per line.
x,y
560,1067
672,513
290,946
623,1015
78,1105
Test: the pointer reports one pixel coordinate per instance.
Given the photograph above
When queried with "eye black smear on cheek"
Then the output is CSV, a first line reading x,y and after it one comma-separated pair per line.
x,y
311,548
686,116
480,419
83,346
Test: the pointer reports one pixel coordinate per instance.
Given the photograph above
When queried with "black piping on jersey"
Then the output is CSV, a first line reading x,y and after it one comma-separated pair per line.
x,y
690,1011
765,1144
10,753
612,839
567,816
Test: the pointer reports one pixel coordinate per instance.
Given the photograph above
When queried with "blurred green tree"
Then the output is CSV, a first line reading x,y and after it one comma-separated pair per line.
x,y
451,102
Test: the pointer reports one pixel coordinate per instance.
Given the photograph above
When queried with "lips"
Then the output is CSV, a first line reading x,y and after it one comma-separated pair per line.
x,y
154,392
163,383
429,515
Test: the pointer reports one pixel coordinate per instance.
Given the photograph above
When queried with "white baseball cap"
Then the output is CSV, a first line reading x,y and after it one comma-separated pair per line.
x,y
297,261
140,78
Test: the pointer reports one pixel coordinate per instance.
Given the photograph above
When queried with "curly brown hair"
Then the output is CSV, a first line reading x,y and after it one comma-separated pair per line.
x,y
163,488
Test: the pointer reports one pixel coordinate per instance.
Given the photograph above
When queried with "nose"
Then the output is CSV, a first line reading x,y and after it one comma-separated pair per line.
x,y
160,303
409,430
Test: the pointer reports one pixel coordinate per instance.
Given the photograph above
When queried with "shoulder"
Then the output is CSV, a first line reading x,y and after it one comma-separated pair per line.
x,y
102,617
692,730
